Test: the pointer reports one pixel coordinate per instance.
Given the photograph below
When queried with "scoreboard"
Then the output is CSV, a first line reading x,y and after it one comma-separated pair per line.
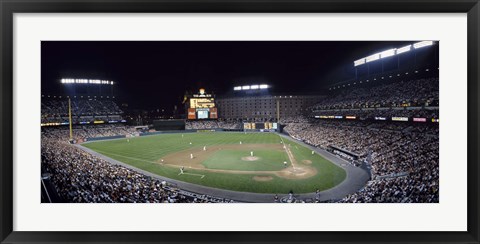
x,y
267,126
202,113
202,106
202,102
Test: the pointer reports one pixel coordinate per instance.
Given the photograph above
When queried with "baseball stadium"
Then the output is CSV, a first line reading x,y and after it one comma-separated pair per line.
x,y
119,126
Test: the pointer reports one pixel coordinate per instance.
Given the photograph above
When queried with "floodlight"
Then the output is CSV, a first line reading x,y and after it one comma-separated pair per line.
x,y
373,57
387,53
359,62
245,87
254,86
404,49
237,88
422,44
263,86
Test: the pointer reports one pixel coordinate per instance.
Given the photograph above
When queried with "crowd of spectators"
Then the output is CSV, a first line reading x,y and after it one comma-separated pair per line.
x,y
82,132
413,93
403,156
212,124
56,110
80,177
385,113
391,149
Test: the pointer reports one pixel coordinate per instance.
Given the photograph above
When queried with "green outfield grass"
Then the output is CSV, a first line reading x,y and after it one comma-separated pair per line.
x,y
147,151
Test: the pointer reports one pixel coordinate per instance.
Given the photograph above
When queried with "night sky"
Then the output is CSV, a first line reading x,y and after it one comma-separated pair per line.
x,y
151,75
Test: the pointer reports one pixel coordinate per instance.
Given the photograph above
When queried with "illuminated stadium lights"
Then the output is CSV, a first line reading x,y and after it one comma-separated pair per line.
x,y
68,81
422,44
391,52
359,62
86,81
373,57
387,53
404,49
251,87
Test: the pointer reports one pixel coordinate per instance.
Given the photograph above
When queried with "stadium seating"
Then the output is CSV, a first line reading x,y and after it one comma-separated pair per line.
x,y
404,156
395,149
412,93
212,124
82,177
56,110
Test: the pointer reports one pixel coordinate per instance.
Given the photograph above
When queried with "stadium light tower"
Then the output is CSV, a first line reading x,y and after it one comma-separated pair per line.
x,y
390,53
404,49
251,87
70,119
422,44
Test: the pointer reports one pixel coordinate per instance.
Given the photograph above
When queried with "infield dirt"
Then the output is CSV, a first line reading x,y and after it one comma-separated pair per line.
x,y
183,159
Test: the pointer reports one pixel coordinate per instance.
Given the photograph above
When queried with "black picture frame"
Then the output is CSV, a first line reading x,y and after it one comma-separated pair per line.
x,y
9,7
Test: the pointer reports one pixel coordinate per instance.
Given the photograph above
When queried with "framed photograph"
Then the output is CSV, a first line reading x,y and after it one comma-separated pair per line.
x,y
269,121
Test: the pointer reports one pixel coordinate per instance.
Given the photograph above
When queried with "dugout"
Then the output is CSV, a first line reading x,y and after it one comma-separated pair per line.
x,y
168,125
343,152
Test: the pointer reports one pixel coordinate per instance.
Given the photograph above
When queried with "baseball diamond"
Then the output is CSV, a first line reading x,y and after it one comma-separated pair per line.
x,y
225,163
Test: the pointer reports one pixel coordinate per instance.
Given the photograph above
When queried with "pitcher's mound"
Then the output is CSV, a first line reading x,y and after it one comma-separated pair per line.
x,y
262,178
250,158
306,161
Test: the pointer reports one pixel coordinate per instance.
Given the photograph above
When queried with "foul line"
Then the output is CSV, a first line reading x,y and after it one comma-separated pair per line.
x,y
138,159
183,173
105,154
288,153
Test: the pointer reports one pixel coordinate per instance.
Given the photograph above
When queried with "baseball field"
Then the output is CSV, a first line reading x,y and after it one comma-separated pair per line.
x,y
251,162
